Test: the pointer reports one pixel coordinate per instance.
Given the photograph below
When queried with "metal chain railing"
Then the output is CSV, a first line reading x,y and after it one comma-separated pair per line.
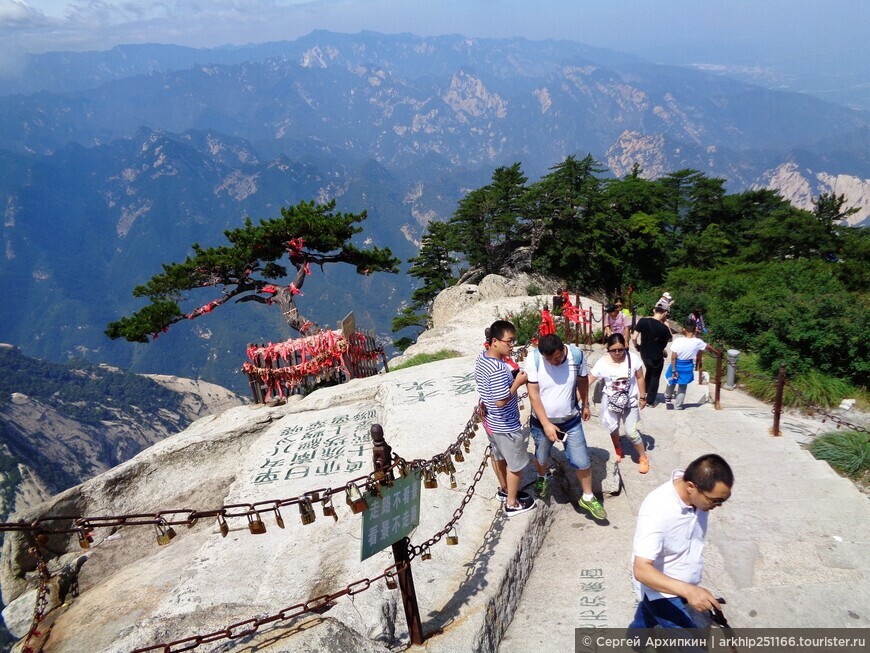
x,y
41,598
414,551
815,408
164,520
317,605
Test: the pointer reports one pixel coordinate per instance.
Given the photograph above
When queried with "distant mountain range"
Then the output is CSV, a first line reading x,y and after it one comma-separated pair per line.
x,y
113,162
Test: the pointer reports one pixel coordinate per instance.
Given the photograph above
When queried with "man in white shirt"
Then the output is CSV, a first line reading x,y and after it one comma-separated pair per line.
x,y
669,544
559,394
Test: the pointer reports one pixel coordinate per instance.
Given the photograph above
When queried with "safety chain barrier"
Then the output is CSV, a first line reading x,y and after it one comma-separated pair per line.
x,y
423,549
248,627
164,520
815,408
41,598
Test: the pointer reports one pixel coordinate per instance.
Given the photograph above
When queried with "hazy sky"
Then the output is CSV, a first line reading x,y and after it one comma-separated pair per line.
x,y
809,45
40,25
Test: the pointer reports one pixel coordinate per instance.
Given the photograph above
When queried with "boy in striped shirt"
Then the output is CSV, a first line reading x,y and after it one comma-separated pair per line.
x,y
498,387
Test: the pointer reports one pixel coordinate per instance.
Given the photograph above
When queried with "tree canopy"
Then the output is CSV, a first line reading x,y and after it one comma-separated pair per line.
x,y
252,268
788,283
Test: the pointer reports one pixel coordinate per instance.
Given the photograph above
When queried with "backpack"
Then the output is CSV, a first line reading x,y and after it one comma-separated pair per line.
x,y
619,401
576,354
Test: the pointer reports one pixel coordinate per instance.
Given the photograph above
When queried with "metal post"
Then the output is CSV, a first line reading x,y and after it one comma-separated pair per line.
x,y
731,380
699,364
777,404
716,403
382,458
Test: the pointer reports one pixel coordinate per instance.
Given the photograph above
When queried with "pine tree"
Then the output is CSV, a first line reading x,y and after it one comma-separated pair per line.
x,y
249,269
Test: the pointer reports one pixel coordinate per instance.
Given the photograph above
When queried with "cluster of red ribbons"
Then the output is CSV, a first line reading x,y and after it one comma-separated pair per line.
x,y
547,325
574,313
208,308
284,365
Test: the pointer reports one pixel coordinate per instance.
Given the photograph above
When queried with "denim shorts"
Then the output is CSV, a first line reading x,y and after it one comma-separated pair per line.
x,y
575,447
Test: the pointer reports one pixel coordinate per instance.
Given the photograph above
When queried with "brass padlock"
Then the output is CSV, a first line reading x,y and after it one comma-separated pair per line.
x,y
328,508
41,539
278,518
85,539
355,499
458,455
255,524
452,480
449,467
426,554
391,581
429,480
306,512
403,468
374,488
314,497
222,525
466,444
452,537
522,405
378,475
165,533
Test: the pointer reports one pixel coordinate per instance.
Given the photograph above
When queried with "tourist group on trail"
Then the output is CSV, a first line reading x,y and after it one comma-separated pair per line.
x,y
672,522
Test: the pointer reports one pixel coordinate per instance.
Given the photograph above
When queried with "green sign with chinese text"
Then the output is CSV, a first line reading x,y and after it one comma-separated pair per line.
x,y
392,516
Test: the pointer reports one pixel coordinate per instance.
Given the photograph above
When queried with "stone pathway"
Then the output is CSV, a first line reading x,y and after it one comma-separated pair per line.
x,y
789,549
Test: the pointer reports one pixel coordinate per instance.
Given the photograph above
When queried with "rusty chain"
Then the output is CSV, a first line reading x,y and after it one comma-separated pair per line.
x,y
41,597
414,551
815,408
317,605
84,525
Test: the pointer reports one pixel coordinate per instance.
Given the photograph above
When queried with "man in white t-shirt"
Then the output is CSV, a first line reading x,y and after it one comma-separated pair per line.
x,y
559,394
668,550
681,371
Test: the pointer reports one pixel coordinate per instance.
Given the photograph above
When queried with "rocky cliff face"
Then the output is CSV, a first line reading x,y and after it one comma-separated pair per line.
x,y
134,592
55,438
800,185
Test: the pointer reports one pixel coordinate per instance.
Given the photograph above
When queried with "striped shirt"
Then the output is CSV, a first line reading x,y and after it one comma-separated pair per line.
x,y
494,379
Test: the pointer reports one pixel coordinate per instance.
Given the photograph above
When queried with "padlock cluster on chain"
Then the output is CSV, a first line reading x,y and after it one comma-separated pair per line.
x,y
355,491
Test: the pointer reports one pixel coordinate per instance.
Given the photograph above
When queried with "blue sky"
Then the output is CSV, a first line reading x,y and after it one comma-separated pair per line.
x,y
800,44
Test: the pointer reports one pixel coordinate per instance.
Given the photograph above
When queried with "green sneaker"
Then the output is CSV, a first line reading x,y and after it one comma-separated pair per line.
x,y
594,507
542,486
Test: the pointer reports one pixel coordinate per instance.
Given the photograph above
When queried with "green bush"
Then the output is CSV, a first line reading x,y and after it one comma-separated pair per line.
x,y
795,312
846,451
422,359
526,322
533,289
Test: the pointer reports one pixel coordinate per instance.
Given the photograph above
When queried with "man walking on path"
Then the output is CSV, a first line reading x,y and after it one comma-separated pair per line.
x,y
669,544
559,394
498,392
654,337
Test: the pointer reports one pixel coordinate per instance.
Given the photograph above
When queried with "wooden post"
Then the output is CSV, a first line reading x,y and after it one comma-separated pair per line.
x,y
382,458
777,404
699,364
